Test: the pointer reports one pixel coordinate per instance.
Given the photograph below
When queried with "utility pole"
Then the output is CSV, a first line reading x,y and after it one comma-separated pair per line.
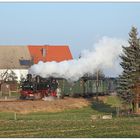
x,y
97,84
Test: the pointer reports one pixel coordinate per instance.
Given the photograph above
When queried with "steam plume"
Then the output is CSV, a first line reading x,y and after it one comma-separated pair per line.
x,y
104,55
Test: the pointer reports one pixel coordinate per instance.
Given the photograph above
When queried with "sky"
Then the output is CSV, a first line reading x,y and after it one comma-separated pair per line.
x,y
78,25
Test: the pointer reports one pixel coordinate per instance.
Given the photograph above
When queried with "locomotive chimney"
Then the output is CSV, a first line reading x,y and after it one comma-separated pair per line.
x,y
37,78
29,77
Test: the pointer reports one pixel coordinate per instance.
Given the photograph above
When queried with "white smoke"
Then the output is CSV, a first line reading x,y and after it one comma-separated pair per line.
x,y
104,55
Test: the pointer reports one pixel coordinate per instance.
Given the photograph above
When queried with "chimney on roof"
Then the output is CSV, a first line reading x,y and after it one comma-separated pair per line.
x,y
44,52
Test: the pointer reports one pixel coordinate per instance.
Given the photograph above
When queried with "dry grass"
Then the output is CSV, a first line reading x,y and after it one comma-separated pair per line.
x,y
47,106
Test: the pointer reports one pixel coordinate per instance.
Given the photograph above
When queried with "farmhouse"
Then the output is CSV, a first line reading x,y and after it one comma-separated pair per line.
x,y
18,59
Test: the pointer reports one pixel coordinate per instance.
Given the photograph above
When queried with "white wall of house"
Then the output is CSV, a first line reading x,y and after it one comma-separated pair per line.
x,y
19,72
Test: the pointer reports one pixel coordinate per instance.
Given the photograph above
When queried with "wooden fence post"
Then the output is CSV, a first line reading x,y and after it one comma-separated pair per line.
x,y
15,116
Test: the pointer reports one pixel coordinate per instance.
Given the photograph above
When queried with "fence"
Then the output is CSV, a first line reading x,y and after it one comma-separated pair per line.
x,y
9,90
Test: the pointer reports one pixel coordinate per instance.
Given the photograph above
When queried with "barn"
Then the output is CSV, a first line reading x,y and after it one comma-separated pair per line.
x,y
17,59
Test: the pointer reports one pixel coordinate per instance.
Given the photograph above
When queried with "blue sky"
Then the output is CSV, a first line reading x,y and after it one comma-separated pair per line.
x,y
78,25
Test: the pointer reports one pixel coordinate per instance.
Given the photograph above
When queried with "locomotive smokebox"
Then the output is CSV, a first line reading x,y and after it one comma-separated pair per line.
x,y
29,77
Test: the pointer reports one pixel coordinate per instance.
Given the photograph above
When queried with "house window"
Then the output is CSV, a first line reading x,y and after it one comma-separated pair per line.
x,y
25,62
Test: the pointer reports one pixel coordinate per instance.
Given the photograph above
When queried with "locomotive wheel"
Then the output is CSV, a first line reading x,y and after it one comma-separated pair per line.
x,y
22,97
37,95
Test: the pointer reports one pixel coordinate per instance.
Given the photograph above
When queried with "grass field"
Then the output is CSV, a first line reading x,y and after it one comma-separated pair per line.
x,y
74,123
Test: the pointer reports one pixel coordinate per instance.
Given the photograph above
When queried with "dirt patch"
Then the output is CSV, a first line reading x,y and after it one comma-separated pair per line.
x,y
103,98
100,98
47,106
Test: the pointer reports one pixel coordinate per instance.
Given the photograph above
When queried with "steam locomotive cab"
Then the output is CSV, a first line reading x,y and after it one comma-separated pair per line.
x,y
37,88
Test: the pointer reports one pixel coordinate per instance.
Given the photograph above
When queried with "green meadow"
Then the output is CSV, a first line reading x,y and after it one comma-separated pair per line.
x,y
76,123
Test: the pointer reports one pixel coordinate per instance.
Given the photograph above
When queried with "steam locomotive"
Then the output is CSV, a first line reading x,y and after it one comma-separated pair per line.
x,y
38,87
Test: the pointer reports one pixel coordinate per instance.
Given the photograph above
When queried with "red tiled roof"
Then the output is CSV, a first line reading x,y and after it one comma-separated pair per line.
x,y
53,53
